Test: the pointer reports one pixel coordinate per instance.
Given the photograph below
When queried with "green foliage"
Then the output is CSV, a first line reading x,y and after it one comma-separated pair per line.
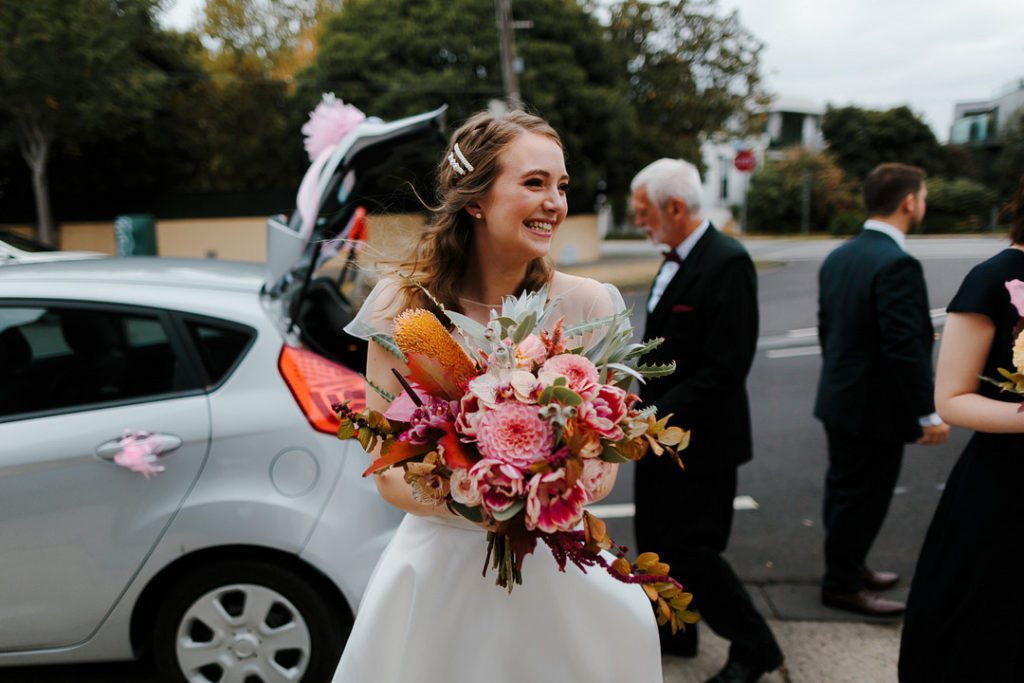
x,y
76,71
958,205
690,72
860,139
775,197
1008,167
393,58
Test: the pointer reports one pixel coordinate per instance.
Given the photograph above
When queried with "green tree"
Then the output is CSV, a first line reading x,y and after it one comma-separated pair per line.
x,y
775,199
860,139
393,58
959,205
692,73
72,71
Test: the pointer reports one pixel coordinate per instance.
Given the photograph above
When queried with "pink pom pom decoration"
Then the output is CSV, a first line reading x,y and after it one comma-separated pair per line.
x,y
139,452
328,124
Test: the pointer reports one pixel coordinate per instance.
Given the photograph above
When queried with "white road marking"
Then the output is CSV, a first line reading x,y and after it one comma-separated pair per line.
x,y
626,510
794,352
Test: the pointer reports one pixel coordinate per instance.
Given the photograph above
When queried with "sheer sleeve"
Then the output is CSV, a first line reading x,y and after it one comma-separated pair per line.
x,y
578,299
382,304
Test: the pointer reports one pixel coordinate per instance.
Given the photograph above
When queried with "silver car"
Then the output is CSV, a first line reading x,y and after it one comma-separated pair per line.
x,y
244,559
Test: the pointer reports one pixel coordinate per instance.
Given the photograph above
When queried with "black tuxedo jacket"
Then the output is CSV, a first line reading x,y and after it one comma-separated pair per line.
x,y
876,341
708,317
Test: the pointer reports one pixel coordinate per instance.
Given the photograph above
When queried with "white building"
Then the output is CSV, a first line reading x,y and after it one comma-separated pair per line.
x,y
983,121
789,122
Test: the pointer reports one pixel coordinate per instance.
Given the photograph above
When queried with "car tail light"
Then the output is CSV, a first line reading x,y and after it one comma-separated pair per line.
x,y
317,384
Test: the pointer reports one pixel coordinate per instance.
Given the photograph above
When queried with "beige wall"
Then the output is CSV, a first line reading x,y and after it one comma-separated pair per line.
x,y
244,239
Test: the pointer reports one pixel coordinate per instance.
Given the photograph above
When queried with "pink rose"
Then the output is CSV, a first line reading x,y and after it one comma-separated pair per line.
x,y
595,473
530,352
577,370
464,488
552,504
1016,290
604,406
513,433
499,484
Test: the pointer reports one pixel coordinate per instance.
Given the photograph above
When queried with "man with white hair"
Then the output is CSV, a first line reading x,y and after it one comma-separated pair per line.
x,y
704,303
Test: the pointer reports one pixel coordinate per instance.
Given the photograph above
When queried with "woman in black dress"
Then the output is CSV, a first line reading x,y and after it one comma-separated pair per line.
x,y
965,614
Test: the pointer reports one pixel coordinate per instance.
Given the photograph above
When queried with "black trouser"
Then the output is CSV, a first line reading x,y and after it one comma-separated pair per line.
x,y
685,516
858,489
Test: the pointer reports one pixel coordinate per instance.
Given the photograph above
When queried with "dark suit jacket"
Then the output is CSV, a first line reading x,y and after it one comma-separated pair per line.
x,y
876,340
708,317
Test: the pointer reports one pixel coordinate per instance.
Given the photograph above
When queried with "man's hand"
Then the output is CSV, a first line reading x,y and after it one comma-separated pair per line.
x,y
934,435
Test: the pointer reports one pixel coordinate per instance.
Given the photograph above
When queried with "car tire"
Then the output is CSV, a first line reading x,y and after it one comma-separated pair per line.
x,y
249,621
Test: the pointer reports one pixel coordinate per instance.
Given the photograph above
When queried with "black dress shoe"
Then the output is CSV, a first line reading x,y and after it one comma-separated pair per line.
x,y
736,671
879,581
863,602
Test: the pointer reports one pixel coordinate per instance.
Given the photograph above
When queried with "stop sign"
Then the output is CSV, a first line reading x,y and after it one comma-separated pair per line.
x,y
744,160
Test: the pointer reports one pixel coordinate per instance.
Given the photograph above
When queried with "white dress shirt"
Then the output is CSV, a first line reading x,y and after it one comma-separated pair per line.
x,y
670,268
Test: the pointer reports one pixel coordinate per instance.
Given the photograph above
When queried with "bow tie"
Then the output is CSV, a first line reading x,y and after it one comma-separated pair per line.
x,y
672,256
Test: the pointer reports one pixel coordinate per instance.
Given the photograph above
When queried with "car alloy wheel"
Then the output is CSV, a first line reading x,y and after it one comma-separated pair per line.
x,y
246,621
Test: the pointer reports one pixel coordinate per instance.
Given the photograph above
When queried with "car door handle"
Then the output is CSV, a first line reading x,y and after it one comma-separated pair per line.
x,y
167,443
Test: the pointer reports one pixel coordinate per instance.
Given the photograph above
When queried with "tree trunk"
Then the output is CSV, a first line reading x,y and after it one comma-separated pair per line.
x,y
35,149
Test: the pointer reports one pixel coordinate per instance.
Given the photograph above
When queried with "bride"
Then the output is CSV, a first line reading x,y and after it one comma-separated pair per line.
x,y
428,615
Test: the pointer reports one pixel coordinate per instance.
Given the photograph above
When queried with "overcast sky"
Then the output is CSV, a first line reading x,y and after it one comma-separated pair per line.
x,y
874,54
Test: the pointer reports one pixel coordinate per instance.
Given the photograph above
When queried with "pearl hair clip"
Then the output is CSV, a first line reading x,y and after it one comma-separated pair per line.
x,y
461,157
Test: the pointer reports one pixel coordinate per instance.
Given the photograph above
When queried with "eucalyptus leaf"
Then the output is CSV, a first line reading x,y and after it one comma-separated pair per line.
x,y
346,430
610,454
510,513
567,396
525,327
473,514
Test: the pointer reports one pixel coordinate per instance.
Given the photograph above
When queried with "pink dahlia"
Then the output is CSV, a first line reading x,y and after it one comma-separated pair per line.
x,y
577,370
499,485
553,504
513,433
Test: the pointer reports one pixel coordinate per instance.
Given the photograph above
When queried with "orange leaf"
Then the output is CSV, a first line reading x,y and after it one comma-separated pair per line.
x,y
399,452
456,453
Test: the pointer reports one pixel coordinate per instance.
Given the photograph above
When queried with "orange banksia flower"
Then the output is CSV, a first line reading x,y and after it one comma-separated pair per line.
x,y
433,355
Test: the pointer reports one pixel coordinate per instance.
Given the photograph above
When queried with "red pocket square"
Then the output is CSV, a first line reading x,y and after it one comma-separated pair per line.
x,y
677,308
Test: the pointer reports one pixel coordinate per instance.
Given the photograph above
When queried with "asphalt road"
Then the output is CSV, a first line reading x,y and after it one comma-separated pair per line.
x,y
777,537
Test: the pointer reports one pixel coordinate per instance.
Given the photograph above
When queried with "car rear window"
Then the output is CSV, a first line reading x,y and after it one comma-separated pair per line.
x,y
54,357
220,347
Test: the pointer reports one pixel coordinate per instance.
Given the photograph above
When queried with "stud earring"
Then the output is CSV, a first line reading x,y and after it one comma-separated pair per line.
x,y
479,215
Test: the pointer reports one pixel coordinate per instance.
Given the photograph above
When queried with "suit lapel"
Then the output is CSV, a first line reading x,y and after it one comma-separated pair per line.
x,y
682,281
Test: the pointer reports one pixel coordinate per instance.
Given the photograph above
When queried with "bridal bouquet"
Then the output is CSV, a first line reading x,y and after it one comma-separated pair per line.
x,y
521,432
1014,381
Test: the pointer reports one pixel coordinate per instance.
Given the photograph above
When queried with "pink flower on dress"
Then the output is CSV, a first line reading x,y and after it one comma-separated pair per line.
x,y
577,370
1016,290
604,406
513,433
499,484
595,473
464,488
553,504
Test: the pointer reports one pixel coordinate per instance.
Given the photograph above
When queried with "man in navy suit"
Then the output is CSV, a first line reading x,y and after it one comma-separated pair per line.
x,y
875,390
704,304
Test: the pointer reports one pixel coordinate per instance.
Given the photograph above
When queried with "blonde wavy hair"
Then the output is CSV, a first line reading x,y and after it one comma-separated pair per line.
x,y
442,254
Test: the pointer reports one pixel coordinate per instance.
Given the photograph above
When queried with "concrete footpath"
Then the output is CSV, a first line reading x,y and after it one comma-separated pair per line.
x,y
821,645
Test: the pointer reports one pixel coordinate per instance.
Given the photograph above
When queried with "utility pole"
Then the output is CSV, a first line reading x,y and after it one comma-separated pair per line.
x,y
507,44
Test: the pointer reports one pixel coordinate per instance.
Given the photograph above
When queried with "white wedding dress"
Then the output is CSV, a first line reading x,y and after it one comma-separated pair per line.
x,y
428,616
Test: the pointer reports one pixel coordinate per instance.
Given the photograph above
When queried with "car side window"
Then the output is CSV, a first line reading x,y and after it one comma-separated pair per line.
x,y
220,347
56,357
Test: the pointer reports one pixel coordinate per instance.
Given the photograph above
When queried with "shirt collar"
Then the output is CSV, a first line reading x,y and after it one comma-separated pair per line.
x,y
883,227
686,246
